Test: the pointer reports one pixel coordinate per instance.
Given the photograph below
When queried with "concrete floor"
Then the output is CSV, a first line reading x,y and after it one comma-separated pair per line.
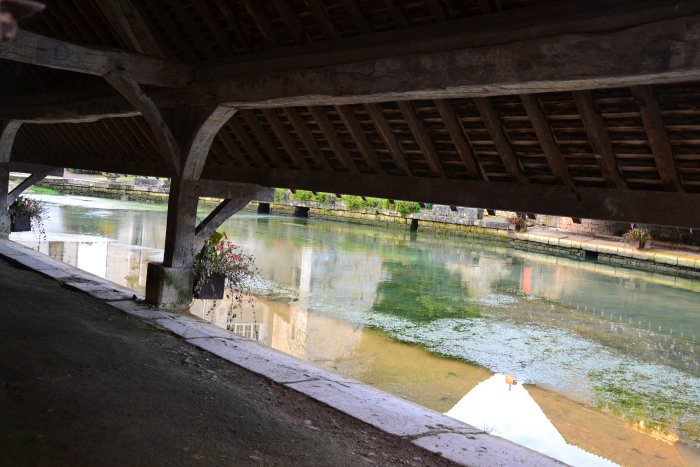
x,y
90,376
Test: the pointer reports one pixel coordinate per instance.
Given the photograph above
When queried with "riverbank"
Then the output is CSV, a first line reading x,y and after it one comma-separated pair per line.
x,y
91,375
664,258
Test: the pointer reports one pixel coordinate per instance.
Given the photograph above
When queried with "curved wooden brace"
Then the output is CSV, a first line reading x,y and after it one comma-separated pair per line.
x,y
167,144
7,139
197,147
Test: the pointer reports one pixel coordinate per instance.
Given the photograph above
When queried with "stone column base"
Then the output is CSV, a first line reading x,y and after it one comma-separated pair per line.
x,y
169,288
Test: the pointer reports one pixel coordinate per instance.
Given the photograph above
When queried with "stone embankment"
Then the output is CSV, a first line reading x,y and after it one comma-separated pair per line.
x,y
663,258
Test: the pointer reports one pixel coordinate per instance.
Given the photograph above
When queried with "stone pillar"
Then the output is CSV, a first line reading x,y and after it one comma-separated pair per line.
x,y
169,285
4,188
263,208
414,225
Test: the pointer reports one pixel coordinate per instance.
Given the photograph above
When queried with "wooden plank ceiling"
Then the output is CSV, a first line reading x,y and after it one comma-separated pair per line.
x,y
624,141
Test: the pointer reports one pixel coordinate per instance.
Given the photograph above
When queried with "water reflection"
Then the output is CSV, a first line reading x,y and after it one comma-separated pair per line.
x,y
503,408
609,354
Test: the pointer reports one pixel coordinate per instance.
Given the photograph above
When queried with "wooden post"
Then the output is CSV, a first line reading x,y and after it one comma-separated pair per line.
x,y
169,284
4,186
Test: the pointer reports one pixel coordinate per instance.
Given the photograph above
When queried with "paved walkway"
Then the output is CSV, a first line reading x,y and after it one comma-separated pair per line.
x,y
90,376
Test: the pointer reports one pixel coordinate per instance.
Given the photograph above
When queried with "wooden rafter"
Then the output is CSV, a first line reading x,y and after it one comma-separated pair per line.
x,y
233,150
331,135
437,9
322,20
422,138
387,136
549,145
358,16
358,135
167,144
45,51
495,128
396,14
261,136
600,139
130,26
262,21
197,147
278,128
248,145
306,138
658,138
296,28
460,140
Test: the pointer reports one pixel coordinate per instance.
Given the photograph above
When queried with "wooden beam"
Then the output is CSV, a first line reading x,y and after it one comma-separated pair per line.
x,y
437,9
7,139
167,144
197,147
545,137
181,221
658,138
651,207
460,140
564,61
52,53
422,138
234,190
331,135
380,123
278,128
306,138
130,26
599,139
495,128
359,137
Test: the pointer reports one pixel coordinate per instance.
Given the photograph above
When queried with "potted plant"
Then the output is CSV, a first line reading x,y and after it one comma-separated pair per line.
x,y
220,266
25,212
638,237
516,223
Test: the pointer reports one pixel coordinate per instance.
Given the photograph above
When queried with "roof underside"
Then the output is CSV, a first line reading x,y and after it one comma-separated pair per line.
x,y
434,145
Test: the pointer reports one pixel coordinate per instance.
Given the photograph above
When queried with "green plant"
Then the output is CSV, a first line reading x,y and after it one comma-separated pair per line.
x,y
406,207
280,194
221,256
36,210
639,234
302,195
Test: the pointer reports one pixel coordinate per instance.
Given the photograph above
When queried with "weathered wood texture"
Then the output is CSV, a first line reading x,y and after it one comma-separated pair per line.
x,y
52,53
31,180
199,143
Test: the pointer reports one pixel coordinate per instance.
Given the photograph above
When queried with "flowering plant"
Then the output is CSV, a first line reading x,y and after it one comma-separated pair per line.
x,y
220,256
32,208
639,234
520,223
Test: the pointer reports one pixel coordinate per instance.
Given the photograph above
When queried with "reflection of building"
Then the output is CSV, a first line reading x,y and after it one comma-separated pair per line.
x,y
510,412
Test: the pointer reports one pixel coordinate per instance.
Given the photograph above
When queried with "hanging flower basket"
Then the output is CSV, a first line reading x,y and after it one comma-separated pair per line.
x,y
210,287
21,223
24,212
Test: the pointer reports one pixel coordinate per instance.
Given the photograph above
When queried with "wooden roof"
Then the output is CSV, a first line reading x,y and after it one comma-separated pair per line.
x,y
586,109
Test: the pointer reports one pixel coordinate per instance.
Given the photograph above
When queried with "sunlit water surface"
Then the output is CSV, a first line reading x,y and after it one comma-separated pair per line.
x,y
602,361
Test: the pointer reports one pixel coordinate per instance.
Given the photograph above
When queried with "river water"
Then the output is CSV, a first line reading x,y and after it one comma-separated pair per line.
x,y
589,363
